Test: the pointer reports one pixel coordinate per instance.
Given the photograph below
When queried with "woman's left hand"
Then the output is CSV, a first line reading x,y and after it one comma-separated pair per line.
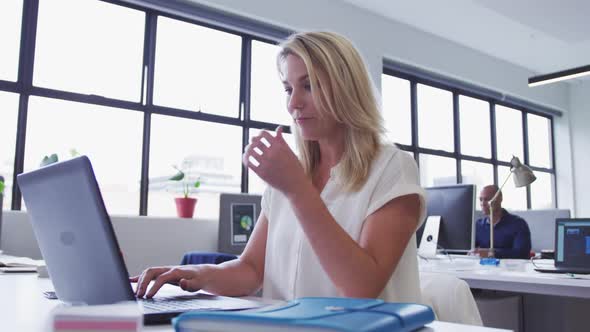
x,y
277,164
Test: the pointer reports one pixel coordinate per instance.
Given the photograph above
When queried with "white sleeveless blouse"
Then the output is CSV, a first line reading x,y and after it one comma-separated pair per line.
x,y
293,270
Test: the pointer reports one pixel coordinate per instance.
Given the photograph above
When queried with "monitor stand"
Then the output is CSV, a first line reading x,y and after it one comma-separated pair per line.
x,y
429,240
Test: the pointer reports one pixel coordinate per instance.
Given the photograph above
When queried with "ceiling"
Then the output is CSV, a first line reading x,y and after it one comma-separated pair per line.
x,y
544,36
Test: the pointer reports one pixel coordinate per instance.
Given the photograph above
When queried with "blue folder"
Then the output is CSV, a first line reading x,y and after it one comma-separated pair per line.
x,y
314,313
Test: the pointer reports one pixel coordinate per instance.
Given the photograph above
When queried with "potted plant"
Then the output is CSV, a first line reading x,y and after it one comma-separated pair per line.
x,y
185,206
53,158
48,160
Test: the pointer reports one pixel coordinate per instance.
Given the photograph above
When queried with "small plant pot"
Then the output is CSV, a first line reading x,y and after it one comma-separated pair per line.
x,y
185,207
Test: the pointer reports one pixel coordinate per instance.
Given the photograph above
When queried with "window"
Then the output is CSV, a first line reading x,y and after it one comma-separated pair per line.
x,y
450,115
475,127
396,109
267,97
437,171
8,118
542,191
197,68
195,96
539,130
78,52
479,174
10,25
110,137
187,107
207,151
435,118
513,198
509,133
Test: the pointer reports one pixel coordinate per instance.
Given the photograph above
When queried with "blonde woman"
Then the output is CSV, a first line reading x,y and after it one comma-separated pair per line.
x,y
338,220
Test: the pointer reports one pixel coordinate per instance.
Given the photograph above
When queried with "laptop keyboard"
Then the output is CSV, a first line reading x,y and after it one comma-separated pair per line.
x,y
185,303
164,305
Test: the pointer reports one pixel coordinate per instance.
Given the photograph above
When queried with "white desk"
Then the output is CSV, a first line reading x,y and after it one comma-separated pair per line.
x,y
500,278
550,302
23,308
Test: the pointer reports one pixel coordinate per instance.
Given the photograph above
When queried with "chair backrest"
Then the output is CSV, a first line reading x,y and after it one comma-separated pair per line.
x,y
541,224
450,298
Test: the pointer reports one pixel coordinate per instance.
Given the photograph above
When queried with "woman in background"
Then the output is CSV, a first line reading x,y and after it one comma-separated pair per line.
x,y
339,220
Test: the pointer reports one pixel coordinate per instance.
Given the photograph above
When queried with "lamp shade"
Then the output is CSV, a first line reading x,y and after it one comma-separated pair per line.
x,y
523,175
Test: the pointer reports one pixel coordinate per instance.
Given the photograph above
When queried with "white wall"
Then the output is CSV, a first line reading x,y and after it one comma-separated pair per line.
x,y
378,37
564,177
144,241
580,128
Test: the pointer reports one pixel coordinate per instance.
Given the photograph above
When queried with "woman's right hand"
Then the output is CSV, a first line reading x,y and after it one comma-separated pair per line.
x,y
188,277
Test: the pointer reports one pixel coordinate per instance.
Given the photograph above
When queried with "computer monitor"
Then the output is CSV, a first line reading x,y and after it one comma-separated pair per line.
x,y
1,208
238,214
572,243
456,207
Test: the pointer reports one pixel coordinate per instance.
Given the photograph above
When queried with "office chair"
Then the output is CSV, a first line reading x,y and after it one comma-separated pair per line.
x,y
200,257
450,298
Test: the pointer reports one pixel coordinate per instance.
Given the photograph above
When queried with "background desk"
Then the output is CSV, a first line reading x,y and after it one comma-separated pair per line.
x,y
23,308
502,279
551,302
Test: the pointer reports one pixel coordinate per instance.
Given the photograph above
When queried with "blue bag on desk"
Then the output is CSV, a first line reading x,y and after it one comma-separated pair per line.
x,y
313,314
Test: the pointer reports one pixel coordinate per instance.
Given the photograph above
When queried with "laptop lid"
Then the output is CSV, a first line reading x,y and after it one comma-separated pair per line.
x,y
572,243
75,234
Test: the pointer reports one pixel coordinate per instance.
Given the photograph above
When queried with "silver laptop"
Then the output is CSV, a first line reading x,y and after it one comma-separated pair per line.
x,y
77,241
572,247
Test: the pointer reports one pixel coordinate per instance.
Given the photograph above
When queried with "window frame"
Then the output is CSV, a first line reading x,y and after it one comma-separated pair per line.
x,y
416,76
247,29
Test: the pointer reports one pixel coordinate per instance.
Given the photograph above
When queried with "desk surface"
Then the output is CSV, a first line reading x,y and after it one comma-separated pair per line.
x,y
23,307
511,275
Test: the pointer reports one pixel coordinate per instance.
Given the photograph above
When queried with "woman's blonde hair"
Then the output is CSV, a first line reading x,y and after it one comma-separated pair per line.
x,y
342,90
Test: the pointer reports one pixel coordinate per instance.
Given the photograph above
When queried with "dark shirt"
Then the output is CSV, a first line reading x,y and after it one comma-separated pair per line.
x,y
512,237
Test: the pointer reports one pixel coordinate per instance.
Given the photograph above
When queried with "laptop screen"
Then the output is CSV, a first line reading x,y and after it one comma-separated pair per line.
x,y
572,243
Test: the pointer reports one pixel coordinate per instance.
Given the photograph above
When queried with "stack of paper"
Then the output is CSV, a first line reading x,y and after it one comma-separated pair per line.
x,y
121,317
19,264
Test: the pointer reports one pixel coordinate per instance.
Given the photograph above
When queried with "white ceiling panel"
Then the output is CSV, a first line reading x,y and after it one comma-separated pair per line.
x,y
541,35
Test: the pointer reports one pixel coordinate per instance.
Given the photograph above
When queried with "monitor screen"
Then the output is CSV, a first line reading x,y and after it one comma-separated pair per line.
x,y
242,223
238,214
573,243
1,208
456,206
